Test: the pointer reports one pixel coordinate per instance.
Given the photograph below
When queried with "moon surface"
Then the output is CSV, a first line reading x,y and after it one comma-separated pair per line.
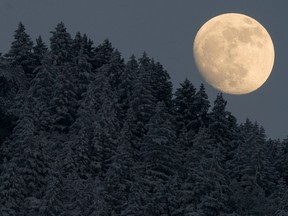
x,y
234,53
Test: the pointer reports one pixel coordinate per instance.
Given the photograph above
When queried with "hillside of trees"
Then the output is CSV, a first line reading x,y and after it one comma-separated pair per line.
x,y
85,133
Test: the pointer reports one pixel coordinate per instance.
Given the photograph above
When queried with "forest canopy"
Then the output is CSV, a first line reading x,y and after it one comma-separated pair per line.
x,y
85,132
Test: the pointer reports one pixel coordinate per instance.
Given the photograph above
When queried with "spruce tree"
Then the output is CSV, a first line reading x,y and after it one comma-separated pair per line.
x,y
40,95
21,51
159,161
60,45
205,188
250,172
87,46
104,141
77,44
39,51
102,54
161,84
64,104
202,106
119,177
12,193
184,106
223,127
142,104
126,87
113,69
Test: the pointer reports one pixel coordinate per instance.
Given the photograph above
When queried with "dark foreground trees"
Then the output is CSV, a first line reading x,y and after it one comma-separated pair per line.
x,y
82,132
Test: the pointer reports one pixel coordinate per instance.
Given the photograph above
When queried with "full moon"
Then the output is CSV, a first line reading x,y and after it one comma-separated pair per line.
x,y
234,53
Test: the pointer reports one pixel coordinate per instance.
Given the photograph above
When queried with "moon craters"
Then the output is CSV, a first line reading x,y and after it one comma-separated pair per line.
x,y
234,53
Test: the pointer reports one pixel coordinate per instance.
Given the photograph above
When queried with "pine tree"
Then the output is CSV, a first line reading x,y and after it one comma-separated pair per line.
x,y
87,46
12,193
159,161
83,73
40,95
12,81
82,131
102,54
184,106
113,69
279,199
126,87
21,51
25,156
202,105
223,127
52,202
104,142
205,188
64,101
161,84
60,44
142,105
119,177
135,203
283,160
39,50
77,44
250,172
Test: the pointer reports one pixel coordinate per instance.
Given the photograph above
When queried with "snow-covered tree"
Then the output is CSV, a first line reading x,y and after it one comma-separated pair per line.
x,y
21,51
252,175
223,127
184,106
60,44
64,100
205,188
102,54
39,50
161,84
125,89
202,105
159,162
142,104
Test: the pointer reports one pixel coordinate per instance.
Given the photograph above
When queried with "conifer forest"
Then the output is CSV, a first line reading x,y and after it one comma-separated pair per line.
x,y
84,132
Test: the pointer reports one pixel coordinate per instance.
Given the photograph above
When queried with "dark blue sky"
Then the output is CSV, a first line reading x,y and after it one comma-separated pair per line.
x,y
165,29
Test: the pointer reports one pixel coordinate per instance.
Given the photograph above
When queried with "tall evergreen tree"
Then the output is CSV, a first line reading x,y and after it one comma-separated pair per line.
x,y
21,51
60,44
126,86
104,143
282,164
40,95
202,105
142,104
161,84
77,44
252,175
12,193
102,54
205,189
13,82
39,51
87,46
159,162
119,177
184,106
83,73
64,101
113,69
279,199
25,156
223,127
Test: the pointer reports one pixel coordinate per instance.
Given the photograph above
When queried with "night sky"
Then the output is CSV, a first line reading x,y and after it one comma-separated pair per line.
x,y
165,29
